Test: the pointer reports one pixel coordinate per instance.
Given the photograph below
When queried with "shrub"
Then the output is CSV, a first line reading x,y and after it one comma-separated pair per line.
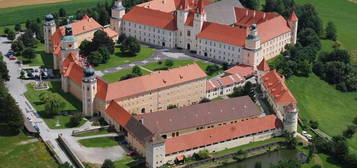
x,y
171,106
203,154
314,124
169,63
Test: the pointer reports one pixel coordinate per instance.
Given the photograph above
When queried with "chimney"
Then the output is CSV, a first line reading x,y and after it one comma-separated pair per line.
x,y
246,12
253,13
264,14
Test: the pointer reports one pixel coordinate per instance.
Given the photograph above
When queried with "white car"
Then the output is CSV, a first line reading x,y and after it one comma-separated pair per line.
x,y
305,134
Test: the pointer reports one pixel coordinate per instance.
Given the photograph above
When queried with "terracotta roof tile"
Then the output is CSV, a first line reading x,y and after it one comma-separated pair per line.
x,y
226,81
222,133
111,33
153,81
199,114
263,66
241,70
211,84
275,85
223,33
272,28
162,5
118,113
75,73
293,17
247,17
152,18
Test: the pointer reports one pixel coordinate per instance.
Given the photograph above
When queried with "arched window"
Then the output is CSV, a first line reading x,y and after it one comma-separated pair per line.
x,y
143,110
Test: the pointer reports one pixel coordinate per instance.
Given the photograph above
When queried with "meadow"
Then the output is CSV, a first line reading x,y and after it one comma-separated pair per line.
x,y
344,14
15,3
15,15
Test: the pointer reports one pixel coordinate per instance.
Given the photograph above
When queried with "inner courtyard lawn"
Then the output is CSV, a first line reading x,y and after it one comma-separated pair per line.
x,y
118,58
115,76
344,14
101,132
71,104
19,152
317,100
99,142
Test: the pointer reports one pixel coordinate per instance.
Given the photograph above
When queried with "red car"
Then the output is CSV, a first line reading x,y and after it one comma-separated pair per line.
x,y
12,58
131,153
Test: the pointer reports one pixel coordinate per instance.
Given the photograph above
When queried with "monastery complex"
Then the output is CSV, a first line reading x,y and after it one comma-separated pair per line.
x,y
138,107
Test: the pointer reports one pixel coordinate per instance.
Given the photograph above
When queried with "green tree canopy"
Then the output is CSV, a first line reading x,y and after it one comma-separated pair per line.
x,y
331,32
53,104
17,46
18,27
29,53
11,35
102,40
108,164
131,46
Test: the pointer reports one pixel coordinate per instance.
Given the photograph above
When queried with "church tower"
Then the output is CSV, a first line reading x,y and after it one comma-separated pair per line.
x,y
49,29
68,45
182,14
89,90
118,11
251,50
293,24
290,118
199,18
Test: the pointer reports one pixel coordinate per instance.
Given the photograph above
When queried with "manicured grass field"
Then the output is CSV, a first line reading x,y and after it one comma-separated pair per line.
x,y
178,63
15,15
119,59
41,59
71,104
128,162
317,100
15,152
115,76
99,142
92,133
344,14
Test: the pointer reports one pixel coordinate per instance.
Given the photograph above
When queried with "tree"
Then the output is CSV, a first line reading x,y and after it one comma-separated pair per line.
x,y
336,55
53,104
136,71
291,141
85,48
350,130
11,121
102,40
250,4
17,46
108,164
65,165
29,53
18,27
169,63
75,120
121,38
225,66
4,72
130,46
27,39
202,154
309,18
339,148
314,124
95,58
258,165
331,32
105,54
11,35
308,37
212,69
355,120
62,12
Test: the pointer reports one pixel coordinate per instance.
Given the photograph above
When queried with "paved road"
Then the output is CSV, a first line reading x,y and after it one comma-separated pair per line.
x,y
159,54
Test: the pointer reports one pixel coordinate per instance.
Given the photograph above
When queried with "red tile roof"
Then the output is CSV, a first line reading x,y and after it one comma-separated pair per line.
x,y
162,5
118,113
226,81
152,18
153,81
241,70
272,28
75,72
223,33
189,20
247,17
211,84
263,66
110,32
275,85
222,133
293,17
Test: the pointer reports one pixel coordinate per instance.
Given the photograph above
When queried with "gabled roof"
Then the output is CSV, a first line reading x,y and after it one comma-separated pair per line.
x,y
200,114
263,66
222,133
241,70
293,17
189,19
223,33
211,84
161,5
275,85
247,17
152,18
118,113
151,82
110,32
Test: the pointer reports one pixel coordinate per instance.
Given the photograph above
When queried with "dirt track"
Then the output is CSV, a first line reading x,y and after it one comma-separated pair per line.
x,y
15,3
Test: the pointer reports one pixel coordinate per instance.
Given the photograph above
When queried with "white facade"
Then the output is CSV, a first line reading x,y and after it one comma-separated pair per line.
x,y
220,51
49,29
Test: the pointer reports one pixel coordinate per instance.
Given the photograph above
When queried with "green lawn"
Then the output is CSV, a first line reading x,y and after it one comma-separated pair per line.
x,y
250,145
11,27
118,58
41,59
99,142
317,100
128,162
344,14
11,16
217,99
178,63
115,76
15,153
92,133
71,104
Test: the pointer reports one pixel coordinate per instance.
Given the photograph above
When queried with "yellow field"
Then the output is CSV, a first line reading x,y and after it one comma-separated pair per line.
x,y
15,3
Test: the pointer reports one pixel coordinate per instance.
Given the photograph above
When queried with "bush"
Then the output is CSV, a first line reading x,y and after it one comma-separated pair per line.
x,y
169,63
203,154
74,121
161,68
349,132
212,69
171,106
314,124
108,164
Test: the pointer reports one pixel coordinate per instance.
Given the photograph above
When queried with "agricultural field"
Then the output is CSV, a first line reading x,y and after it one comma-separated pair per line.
x,y
20,151
319,101
15,15
15,3
344,14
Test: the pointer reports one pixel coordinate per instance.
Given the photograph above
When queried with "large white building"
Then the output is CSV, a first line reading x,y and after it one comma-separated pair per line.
x,y
223,31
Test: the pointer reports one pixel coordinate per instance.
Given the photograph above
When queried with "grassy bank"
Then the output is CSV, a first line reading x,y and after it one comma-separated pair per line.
x,y
344,14
319,101
20,151
15,15
71,104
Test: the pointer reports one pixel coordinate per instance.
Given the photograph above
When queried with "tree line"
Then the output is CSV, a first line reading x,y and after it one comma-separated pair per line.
x,y
11,121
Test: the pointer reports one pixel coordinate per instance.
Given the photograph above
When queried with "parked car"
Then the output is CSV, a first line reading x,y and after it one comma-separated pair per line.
x,y
36,127
305,134
131,153
12,58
